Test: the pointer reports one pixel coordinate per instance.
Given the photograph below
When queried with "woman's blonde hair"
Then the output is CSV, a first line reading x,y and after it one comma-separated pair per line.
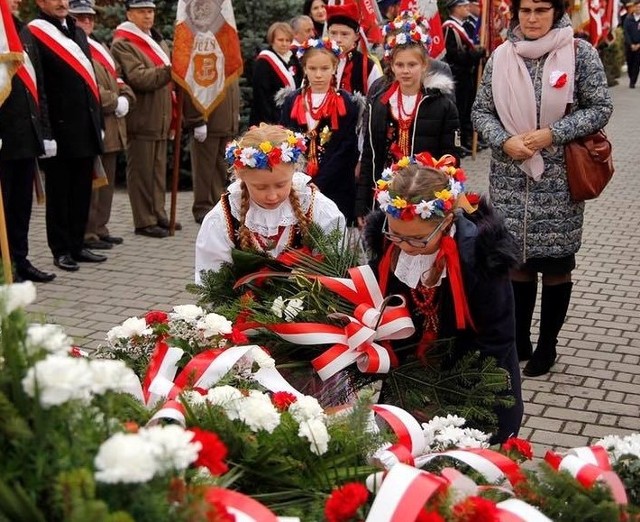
x,y
253,138
278,26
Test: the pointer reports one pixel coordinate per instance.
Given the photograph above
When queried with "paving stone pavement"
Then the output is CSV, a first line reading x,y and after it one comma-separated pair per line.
x,y
594,388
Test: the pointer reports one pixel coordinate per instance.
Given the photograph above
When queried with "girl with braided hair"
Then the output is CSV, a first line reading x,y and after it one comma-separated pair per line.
x,y
452,267
269,206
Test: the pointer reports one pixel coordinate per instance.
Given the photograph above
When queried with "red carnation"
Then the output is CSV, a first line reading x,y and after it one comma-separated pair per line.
x,y
237,336
344,502
561,81
520,446
282,400
155,317
213,451
475,509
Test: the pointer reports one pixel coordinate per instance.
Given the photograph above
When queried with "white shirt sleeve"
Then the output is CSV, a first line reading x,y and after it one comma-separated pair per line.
x,y
326,214
213,245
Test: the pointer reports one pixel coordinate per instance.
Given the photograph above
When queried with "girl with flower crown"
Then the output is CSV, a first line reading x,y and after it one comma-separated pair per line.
x,y
269,206
413,113
329,118
452,268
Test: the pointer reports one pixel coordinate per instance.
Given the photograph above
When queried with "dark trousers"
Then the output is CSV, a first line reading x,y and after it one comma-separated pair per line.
x,y
633,65
68,190
465,94
17,177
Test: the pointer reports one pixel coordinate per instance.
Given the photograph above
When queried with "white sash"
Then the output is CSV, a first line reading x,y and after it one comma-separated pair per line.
x,y
455,26
67,49
132,29
279,67
97,46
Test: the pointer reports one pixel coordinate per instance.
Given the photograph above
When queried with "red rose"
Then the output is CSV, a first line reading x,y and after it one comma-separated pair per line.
x,y
156,316
344,502
521,446
282,400
212,453
475,509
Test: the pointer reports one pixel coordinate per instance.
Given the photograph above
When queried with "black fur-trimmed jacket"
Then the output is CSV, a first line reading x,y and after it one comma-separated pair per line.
x,y
433,130
486,253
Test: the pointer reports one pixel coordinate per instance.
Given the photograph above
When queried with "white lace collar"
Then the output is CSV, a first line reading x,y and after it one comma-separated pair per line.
x,y
266,222
411,270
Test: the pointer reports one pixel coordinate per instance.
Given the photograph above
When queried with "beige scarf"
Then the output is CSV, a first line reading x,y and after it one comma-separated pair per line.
x,y
513,91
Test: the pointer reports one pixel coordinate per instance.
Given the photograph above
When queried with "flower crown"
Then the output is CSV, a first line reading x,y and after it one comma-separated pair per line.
x,y
318,43
409,27
400,208
268,154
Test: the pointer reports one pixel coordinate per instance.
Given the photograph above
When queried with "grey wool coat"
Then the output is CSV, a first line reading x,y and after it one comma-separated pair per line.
x,y
540,215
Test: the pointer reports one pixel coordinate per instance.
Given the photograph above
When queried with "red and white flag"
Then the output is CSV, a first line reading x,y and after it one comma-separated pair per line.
x,y
10,50
206,51
429,9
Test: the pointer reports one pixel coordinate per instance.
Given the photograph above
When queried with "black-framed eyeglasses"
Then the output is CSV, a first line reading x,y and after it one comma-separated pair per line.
x,y
416,242
537,12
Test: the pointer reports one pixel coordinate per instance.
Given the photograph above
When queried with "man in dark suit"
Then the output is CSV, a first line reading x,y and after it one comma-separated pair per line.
x,y
74,111
22,128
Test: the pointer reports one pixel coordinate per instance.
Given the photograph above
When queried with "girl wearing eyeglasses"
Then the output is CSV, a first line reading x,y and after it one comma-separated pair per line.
x,y
451,267
541,89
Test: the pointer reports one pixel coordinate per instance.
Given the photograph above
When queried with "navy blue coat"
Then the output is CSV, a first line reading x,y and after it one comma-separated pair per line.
x,y
486,254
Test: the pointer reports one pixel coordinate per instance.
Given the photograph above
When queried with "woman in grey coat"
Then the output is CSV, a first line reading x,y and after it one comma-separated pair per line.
x,y
521,111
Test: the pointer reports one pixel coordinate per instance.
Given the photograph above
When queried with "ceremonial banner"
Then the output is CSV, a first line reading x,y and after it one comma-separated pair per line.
x,y
429,9
10,50
206,52
369,20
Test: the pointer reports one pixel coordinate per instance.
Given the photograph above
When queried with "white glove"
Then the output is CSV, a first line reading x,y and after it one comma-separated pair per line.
x,y
123,107
200,133
0,143
50,149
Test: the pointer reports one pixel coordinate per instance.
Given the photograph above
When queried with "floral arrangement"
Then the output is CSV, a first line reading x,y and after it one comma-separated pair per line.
x,y
408,27
268,154
444,200
82,446
318,43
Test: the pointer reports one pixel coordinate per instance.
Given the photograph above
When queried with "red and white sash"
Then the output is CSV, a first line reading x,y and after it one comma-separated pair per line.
x,y
67,49
151,49
102,56
455,26
280,68
27,75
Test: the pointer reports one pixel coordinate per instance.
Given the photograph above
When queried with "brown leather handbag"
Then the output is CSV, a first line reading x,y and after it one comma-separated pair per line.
x,y
589,165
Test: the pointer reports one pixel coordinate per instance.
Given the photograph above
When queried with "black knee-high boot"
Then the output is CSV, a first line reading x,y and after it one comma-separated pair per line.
x,y
524,294
555,303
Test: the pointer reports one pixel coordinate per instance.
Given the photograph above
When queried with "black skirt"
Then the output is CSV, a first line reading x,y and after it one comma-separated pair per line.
x,y
550,265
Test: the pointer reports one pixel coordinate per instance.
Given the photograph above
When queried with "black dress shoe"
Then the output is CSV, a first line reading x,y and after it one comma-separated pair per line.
x,y
114,240
66,262
164,223
152,231
86,256
98,244
28,272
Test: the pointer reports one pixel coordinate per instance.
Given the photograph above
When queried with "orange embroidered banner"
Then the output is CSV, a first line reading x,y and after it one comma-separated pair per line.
x,y
206,51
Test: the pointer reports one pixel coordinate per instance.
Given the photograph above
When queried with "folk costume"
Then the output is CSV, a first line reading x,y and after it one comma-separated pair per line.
x,y
272,230
74,111
24,124
272,72
472,303
146,67
329,120
397,125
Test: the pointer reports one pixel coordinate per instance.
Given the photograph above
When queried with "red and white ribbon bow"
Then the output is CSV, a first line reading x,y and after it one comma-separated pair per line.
x,y
589,465
411,441
373,321
242,507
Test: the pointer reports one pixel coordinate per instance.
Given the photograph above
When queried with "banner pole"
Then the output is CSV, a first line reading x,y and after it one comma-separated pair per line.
x,y
4,245
177,151
484,25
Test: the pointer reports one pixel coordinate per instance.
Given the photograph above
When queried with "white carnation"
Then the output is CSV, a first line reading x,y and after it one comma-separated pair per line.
x,y
126,458
214,324
401,38
194,398
112,375
316,433
58,379
132,327
188,313
293,308
306,408
263,359
258,413
228,397
171,446
48,337
17,295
